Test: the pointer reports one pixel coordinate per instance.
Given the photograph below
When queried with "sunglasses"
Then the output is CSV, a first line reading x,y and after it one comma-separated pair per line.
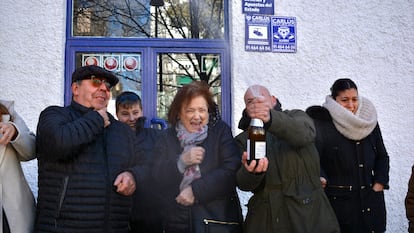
x,y
97,82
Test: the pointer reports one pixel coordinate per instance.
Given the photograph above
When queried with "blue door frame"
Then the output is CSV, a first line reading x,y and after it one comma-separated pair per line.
x,y
149,49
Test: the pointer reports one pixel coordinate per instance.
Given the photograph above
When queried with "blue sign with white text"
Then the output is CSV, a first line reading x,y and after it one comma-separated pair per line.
x,y
283,34
257,33
263,7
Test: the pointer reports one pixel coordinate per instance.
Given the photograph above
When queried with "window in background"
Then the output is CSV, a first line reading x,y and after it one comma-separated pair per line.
x,y
178,19
154,47
178,69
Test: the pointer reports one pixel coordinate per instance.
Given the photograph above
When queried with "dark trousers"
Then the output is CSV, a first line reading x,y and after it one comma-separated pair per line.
x,y
6,228
145,227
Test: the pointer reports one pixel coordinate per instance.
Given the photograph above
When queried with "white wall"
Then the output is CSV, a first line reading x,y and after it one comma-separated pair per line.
x,y
370,41
32,39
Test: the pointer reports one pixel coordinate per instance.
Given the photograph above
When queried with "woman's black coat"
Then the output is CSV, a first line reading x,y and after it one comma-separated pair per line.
x,y
216,187
351,168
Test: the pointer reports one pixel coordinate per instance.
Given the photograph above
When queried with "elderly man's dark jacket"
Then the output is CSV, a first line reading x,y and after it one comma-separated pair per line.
x,y
78,162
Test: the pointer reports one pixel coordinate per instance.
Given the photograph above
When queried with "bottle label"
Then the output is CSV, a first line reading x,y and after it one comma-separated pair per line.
x,y
256,151
248,149
260,150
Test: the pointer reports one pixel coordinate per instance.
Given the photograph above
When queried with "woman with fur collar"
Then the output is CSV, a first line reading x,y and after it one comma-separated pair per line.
x,y
354,161
17,144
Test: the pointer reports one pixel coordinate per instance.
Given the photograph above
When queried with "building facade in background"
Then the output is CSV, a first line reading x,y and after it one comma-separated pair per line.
x,y
154,48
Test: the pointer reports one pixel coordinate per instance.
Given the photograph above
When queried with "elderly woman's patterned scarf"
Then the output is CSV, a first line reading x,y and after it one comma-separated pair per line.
x,y
187,141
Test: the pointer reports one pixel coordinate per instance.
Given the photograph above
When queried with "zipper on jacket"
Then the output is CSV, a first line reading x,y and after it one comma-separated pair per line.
x,y
62,197
208,221
108,182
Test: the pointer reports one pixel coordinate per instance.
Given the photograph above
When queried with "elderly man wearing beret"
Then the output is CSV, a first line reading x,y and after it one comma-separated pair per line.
x,y
88,162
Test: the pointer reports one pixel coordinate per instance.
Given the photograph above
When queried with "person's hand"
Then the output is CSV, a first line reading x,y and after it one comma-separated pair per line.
x,y
324,182
378,187
186,197
252,168
193,156
259,108
125,184
105,116
8,133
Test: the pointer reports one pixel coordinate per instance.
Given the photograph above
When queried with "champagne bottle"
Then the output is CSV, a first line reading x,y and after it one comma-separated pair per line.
x,y
256,141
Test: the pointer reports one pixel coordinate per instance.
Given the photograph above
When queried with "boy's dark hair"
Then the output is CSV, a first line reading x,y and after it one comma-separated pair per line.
x,y
126,99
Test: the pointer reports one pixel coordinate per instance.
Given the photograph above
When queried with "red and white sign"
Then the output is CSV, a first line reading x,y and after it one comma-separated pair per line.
x,y
111,63
130,63
89,61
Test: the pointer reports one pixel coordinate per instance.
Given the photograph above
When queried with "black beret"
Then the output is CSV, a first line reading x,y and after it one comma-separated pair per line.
x,y
85,72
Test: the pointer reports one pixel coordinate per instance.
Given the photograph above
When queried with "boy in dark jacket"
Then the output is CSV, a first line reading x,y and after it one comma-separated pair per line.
x,y
146,213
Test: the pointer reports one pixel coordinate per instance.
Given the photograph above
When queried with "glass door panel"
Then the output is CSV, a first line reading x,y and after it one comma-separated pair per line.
x,y
177,69
175,19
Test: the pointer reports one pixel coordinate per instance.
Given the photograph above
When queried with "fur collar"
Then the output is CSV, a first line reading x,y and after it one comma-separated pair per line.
x,y
353,126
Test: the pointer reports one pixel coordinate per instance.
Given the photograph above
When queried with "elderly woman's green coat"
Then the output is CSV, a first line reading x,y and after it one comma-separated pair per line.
x,y
288,197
